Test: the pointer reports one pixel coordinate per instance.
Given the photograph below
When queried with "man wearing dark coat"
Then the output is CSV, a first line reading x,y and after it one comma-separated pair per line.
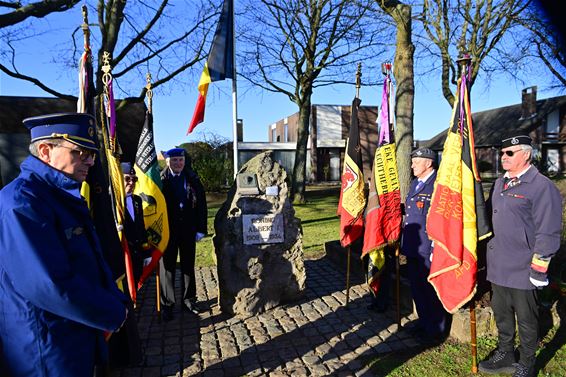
x,y
417,247
526,214
57,295
187,213
134,227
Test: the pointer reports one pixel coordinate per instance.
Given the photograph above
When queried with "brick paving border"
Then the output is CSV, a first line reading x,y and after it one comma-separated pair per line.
x,y
314,336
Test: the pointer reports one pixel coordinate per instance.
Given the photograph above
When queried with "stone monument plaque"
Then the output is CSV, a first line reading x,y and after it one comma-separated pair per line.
x,y
262,228
258,241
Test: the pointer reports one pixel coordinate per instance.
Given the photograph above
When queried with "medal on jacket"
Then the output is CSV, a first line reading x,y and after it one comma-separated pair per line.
x,y
420,205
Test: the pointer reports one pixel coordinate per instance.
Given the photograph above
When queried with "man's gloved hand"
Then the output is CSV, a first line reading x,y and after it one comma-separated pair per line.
x,y
146,261
199,236
539,268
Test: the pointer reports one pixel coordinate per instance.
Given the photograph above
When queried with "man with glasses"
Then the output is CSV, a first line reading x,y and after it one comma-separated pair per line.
x,y
134,227
57,296
526,213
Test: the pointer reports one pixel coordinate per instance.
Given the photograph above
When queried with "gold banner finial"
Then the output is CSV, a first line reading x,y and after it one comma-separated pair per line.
x,y
358,79
149,92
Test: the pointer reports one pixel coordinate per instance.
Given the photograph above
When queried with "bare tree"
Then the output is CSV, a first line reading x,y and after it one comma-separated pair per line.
x,y
456,27
138,35
403,71
17,12
295,46
544,44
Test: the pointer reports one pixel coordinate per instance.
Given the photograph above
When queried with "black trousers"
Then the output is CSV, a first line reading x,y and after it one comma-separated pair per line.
x,y
181,242
523,303
432,316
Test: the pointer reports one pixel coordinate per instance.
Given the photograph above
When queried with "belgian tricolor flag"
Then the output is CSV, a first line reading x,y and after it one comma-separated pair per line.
x,y
352,198
220,62
457,218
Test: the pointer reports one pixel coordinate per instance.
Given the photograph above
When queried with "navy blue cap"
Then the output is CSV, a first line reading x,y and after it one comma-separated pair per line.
x,y
175,152
77,128
127,168
516,140
424,153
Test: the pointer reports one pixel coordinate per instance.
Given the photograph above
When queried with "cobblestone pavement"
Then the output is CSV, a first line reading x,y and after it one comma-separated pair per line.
x,y
317,335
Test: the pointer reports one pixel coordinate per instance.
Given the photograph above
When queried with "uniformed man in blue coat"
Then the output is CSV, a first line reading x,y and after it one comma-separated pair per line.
x,y
417,247
526,214
57,296
187,214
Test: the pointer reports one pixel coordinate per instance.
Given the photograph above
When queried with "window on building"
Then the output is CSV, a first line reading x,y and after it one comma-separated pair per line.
x,y
274,134
552,127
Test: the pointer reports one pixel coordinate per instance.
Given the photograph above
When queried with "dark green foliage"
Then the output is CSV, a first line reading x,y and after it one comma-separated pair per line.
x,y
212,160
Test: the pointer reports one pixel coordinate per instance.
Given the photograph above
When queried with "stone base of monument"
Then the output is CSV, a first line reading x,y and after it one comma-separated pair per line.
x,y
258,241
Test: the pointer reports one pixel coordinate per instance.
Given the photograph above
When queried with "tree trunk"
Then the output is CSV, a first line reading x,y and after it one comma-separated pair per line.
x,y
300,168
405,95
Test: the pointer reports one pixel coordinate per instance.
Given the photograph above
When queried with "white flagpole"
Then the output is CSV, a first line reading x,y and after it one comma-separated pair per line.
x,y
234,94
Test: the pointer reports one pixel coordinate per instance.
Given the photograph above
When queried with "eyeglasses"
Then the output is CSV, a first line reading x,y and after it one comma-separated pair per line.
x,y
509,153
82,153
128,178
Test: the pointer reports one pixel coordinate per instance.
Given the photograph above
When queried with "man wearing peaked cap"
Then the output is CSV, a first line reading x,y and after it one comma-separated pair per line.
x,y
50,257
526,213
77,128
187,214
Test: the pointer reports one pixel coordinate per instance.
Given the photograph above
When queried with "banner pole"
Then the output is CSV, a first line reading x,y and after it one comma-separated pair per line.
x,y
348,278
398,286
234,97
158,292
473,337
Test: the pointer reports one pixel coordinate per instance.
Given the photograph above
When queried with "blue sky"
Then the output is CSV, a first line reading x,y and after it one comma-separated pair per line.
x,y
172,112
174,106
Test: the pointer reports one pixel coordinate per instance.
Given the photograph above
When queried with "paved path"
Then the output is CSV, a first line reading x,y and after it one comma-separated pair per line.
x,y
316,336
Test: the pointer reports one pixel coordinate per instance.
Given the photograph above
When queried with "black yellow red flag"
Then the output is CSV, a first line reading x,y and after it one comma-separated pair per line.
x,y
220,63
457,218
352,197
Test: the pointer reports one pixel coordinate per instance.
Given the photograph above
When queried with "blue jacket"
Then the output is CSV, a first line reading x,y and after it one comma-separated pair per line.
x,y
414,238
56,292
527,219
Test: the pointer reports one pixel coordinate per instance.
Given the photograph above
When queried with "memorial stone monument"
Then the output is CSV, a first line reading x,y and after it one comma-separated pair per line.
x,y
258,241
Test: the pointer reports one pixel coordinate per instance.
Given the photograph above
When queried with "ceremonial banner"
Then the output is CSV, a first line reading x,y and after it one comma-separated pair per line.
x,y
383,213
95,188
457,218
149,188
352,199
116,177
220,63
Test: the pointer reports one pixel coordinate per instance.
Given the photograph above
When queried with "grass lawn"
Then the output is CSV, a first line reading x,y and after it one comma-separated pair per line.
x,y
454,359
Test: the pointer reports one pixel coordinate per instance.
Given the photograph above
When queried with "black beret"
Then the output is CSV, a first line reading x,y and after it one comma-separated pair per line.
x,y
424,153
77,128
516,140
